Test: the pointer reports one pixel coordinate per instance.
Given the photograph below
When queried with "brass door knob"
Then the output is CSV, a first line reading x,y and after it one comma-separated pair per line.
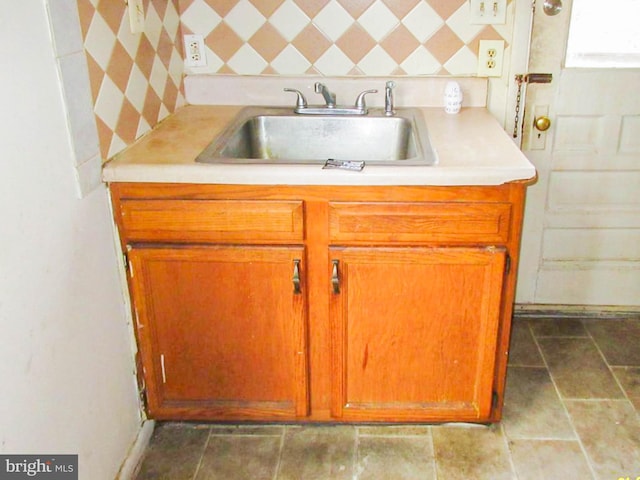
x,y
542,123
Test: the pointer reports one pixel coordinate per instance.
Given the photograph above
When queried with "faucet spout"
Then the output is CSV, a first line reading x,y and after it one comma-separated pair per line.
x,y
329,98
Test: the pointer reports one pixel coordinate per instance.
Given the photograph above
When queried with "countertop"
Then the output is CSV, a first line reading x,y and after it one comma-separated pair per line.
x,y
472,149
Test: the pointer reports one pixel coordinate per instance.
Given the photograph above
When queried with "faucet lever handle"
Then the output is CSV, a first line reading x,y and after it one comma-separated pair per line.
x,y
301,102
360,103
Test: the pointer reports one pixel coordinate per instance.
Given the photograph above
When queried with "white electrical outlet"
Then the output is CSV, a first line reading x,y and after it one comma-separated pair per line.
x,y
484,12
490,58
194,53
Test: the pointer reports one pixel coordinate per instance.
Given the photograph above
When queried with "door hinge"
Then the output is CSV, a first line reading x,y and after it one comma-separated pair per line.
x,y
142,386
125,261
143,399
495,400
507,264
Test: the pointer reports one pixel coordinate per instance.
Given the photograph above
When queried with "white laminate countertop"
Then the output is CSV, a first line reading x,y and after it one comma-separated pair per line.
x,y
472,149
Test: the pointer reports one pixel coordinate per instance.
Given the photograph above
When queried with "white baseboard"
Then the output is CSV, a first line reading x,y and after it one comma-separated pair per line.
x,y
132,463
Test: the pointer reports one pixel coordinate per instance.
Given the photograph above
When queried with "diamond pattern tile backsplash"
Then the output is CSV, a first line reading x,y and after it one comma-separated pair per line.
x,y
338,37
136,79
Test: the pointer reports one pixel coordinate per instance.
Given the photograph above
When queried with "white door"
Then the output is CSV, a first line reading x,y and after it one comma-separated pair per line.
x,y
581,241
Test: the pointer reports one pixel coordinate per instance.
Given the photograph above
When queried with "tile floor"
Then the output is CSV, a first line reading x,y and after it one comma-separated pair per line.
x,y
572,411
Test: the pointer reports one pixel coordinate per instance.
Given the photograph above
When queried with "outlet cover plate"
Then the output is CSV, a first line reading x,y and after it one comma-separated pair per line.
x,y
194,51
486,12
490,58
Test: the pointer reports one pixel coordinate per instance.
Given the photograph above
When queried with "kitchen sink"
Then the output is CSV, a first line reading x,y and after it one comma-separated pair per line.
x,y
277,135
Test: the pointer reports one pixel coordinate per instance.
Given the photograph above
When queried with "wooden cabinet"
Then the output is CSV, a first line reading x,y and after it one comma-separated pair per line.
x,y
223,329
415,332
371,304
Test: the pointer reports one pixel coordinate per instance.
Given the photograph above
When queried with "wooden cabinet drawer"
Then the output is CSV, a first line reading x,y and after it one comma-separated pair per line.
x,y
244,221
398,222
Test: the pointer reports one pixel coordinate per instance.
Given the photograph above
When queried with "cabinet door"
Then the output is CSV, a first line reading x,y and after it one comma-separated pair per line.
x,y
222,330
414,332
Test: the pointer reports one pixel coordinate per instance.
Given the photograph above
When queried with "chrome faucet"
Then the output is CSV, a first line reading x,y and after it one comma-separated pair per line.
x,y
388,98
329,98
360,107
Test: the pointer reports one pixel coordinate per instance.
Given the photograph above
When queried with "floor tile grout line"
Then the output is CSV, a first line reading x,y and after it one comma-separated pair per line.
x,y
396,436
276,473
562,336
433,451
597,400
564,406
505,439
206,445
355,474
609,366
543,367
517,438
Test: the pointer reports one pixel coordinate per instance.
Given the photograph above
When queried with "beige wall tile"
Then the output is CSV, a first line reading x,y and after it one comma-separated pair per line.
x,y
355,28
112,50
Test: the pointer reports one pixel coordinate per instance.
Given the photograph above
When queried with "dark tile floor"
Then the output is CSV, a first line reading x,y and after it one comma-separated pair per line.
x,y
571,412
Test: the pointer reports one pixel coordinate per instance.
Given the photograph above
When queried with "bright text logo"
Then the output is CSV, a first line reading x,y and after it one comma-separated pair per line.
x,y
50,467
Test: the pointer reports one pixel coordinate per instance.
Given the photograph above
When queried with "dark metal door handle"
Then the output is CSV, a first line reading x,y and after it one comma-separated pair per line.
x,y
296,277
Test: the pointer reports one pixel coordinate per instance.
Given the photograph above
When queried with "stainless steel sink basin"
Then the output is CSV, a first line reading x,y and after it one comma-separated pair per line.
x,y
277,135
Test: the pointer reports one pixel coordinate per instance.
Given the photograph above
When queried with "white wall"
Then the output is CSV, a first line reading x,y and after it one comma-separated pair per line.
x,y
66,364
